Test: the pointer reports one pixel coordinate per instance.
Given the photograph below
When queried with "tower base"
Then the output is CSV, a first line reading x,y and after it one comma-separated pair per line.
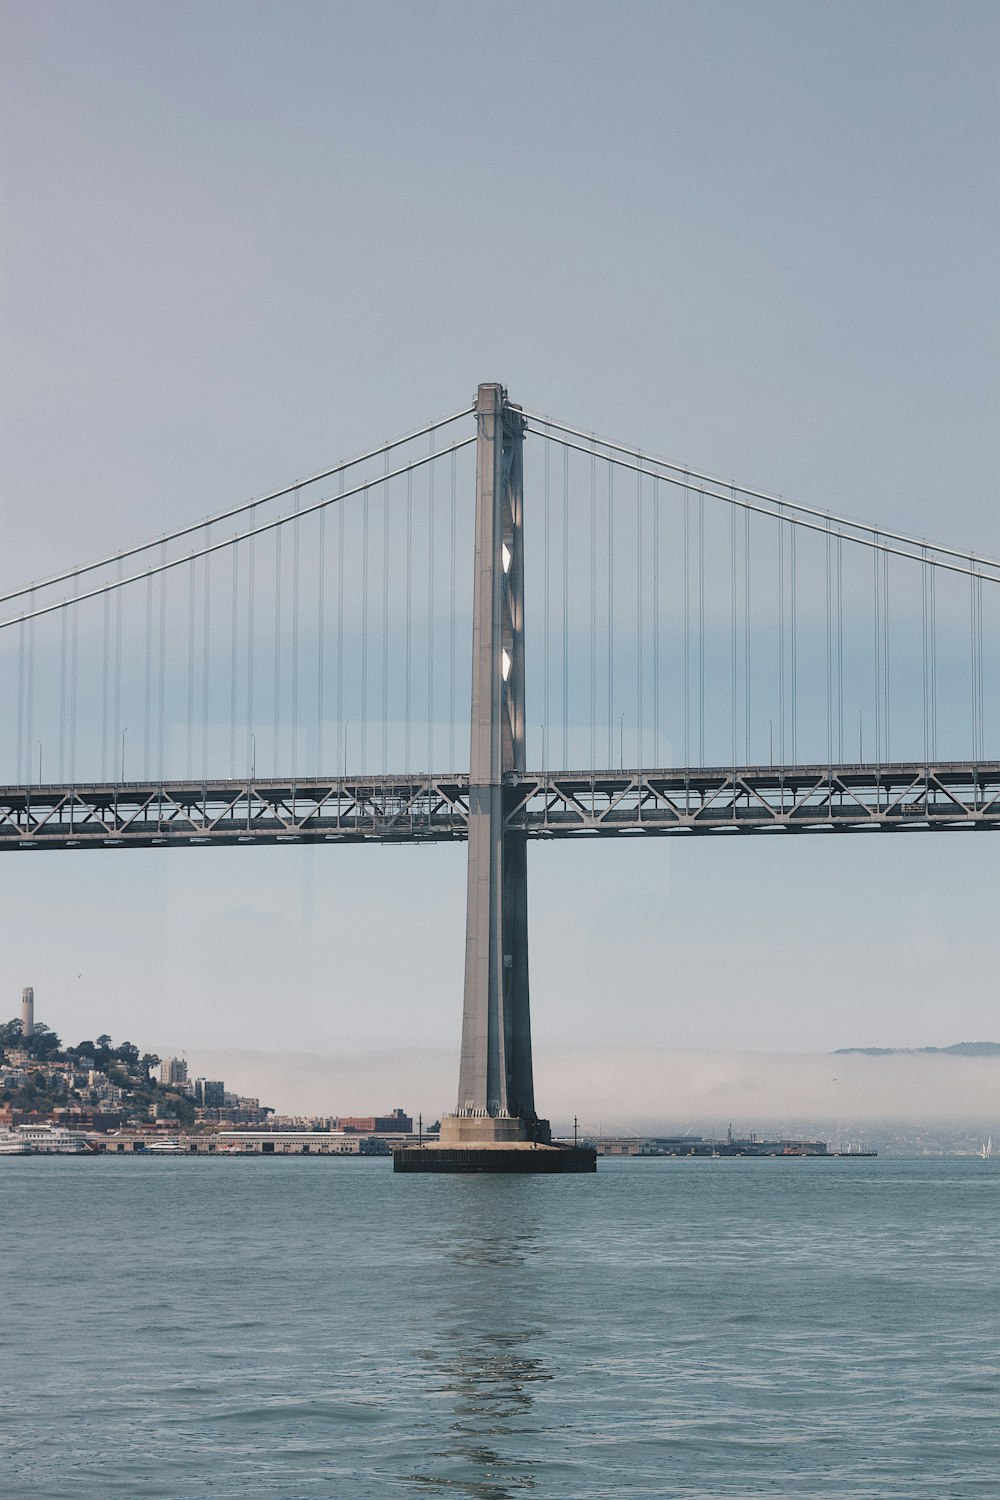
x,y
510,1156
493,1130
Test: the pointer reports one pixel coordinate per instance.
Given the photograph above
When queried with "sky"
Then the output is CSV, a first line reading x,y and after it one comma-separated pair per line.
x,y
241,241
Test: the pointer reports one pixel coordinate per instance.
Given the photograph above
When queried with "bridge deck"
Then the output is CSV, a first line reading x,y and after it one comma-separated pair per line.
x,y
416,809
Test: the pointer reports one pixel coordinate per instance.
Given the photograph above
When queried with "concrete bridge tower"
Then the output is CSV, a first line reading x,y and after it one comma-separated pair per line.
x,y
496,1096
495,1127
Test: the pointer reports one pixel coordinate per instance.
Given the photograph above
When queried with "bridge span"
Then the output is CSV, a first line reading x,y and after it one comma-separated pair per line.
x,y
546,805
673,615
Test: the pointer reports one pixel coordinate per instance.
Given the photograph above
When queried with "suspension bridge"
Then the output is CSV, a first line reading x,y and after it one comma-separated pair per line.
x,y
705,658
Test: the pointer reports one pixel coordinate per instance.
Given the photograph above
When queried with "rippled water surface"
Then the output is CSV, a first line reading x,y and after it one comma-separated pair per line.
x,y
318,1328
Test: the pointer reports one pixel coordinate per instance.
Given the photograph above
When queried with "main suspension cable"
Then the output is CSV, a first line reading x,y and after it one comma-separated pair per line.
x,y
165,565
236,510
782,511
754,494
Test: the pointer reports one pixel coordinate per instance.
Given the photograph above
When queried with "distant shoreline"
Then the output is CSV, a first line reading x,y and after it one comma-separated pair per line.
x,y
957,1049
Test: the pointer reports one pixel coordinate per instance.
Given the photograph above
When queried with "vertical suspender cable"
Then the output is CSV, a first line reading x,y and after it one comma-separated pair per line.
x,y
409,613
840,650
63,629
973,674
206,657
924,651
341,737
296,552
118,670
611,613
189,734
21,636
933,660
565,606
978,587
977,702
74,656
363,762
593,606
746,636
877,573
147,715
451,618
733,651
829,645
638,619
794,609
687,623
979,648
233,663
276,749
656,757
105,666
30,694
982,698
430,612
251,632
546,600
162,683
320,640
887,719
781,636
385,621
701,627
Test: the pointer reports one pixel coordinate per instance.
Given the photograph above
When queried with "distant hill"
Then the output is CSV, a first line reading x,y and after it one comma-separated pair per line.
x,y
957,1049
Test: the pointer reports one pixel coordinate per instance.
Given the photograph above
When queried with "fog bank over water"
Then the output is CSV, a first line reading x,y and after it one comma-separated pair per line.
x,y
632,1089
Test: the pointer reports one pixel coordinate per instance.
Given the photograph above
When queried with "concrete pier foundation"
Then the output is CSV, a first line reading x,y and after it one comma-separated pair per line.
x,y
511,1158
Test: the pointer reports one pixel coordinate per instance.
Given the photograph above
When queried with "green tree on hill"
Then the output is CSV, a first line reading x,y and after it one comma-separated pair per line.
x,y
41,1044
128,1055
10,1035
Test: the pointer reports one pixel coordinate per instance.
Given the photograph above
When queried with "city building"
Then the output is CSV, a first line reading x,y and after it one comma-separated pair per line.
x,y
397,1123
209,1093
28,1011
291,1143
173,1070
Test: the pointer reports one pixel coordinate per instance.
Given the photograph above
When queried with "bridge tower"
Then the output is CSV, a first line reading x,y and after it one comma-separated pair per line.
x,y
496,1097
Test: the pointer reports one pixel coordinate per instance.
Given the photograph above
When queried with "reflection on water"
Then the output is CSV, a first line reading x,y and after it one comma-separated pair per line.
x,y
489,1360
492,1441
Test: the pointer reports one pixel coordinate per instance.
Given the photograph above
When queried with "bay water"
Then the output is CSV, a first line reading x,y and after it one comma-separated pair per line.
x,y
310,1328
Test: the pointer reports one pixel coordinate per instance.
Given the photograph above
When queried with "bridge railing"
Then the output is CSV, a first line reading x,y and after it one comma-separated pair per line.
x,y
399,809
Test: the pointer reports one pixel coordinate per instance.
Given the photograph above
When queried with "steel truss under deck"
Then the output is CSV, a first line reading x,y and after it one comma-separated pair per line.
x,y
418,809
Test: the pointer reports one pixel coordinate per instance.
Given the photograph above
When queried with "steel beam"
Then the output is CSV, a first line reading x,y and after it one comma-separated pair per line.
x,y
907,797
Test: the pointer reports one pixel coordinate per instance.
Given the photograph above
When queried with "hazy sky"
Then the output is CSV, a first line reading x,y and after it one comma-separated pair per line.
x,y
243,240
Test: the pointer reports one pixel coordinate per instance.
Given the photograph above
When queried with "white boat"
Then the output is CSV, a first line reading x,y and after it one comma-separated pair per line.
x,y
164,1148
13,1145
51,1139
986,1149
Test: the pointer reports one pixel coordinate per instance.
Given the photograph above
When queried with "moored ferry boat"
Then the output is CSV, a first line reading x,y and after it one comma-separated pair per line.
x,y
13,1145
50,1139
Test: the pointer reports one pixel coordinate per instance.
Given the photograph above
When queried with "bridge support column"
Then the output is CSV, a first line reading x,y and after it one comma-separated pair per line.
x,y
495,1127
496,1097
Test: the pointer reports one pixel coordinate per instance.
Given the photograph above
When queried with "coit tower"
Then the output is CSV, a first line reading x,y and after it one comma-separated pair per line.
x,y
28,1011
